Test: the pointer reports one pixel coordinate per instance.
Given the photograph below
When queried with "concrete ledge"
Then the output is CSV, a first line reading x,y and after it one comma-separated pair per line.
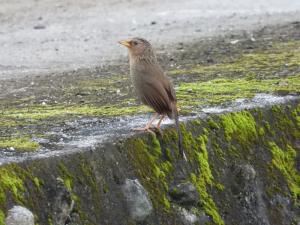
x,y
244,166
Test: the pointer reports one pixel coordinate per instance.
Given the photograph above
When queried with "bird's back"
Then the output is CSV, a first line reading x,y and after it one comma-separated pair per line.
x,y
153,87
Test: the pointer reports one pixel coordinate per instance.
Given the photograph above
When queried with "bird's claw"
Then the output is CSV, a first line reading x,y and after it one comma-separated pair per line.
x,y
144,129
150,129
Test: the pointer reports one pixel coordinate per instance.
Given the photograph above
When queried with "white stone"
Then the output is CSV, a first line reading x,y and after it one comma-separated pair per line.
x,y
188,216
138,203
19,215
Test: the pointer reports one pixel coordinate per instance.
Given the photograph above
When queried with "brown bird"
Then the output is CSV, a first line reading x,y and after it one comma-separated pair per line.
x,y
152,86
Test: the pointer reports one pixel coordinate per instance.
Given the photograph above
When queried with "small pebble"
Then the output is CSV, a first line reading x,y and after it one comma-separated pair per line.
x,y
39,27
234,42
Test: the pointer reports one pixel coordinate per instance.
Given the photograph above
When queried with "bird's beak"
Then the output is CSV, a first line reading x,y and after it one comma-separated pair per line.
x,y
126,43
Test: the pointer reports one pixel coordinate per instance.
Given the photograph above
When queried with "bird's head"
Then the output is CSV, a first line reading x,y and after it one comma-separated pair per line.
x,y
138,47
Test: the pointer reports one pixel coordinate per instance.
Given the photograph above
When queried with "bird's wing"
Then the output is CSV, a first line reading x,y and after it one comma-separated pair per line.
x,y
169,88
156,93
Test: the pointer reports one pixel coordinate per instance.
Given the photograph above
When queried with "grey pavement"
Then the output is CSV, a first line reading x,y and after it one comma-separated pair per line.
x,y
38,37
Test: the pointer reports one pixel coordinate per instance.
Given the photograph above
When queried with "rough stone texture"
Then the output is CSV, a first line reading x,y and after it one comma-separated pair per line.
x,y
62,204
185,194
137,199
236,161
249,195
19,215
190,218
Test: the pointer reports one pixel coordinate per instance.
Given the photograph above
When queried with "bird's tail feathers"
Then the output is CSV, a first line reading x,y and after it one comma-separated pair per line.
x,y
180,146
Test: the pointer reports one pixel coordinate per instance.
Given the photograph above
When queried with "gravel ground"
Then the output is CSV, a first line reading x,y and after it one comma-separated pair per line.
x,y
42,37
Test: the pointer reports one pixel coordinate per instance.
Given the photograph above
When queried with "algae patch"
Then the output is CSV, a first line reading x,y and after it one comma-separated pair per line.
x,y
153,171
284,161
219,91
20,144
10,182
2,218
240,125
260,64
38,113
204,180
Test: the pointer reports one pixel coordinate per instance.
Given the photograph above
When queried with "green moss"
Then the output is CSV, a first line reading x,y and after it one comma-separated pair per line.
x,y
268,128
167,167
2,218
10,182
89,176
204,179
105,188
197,122
284,161
218,151
220,187
155,146
242,78
202,157
284,122
166,203
240,126
50,221
37,182
223,90
212,124
268,62
16,185
67,177
188,142
206,199
261,131
21,144
253,70
8,122
154,172
234,152
296,115
168,154
38,112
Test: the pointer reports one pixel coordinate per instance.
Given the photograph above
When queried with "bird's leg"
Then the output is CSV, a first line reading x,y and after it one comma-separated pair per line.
x,y
148,125
160,120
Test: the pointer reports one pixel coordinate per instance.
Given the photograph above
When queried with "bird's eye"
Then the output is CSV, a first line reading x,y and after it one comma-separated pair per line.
x,y
134,43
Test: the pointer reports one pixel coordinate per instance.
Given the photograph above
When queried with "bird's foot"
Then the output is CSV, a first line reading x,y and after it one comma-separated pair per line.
x,y
152,130
144,129
157,130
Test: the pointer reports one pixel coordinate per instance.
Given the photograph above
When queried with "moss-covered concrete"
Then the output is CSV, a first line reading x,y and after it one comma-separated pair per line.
x,y
19,143
146,155
219,91
285,162
216,147
255,64
244,165
241,71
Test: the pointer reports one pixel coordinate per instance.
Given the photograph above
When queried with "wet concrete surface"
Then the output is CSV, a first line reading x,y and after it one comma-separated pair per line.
x,y
88,133
42,37
99,88
51,58
56,93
